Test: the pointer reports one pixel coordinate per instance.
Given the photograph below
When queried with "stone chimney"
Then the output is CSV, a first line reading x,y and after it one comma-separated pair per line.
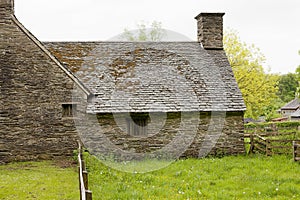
x,y
6,8
210,30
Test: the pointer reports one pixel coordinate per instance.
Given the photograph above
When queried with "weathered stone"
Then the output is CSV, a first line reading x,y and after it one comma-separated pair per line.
x,y
210,30
38,92
226,128
33,88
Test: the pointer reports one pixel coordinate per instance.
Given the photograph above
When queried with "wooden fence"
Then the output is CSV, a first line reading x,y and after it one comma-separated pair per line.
x,y
259,144
269,141
85,194
271,131
296,150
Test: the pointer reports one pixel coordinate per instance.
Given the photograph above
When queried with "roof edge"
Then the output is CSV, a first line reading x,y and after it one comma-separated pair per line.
x,y
288,107
163,111
44,49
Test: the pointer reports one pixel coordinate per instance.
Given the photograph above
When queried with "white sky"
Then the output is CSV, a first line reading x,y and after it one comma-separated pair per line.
x,y
272,25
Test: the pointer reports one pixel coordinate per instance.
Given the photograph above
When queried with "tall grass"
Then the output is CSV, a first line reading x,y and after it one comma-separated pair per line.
x,y
241,177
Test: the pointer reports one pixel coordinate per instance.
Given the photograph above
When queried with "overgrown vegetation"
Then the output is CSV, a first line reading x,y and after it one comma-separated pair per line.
x,y
38,180
289,124
272,137
241,177
258,87
277,130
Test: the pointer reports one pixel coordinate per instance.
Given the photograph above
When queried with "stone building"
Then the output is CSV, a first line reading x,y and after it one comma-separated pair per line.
x,y
291,110
121,98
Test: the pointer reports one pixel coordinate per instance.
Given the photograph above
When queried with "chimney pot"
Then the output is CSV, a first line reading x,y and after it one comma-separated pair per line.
x,y
210,30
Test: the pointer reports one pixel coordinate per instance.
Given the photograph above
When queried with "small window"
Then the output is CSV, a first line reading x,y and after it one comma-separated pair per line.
x,y
137,124
69,109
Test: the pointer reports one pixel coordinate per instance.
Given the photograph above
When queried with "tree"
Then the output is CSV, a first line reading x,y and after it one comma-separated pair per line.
x,y
287,87
298,78
142,33
258,88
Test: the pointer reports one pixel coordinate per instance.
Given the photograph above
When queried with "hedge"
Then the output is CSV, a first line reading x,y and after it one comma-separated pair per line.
x,y
277,124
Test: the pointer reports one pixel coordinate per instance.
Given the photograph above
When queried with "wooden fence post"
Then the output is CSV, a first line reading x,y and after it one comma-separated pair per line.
x,y
88,195
83,164
251,150
85,179
79,183
268,148
296,150
85,194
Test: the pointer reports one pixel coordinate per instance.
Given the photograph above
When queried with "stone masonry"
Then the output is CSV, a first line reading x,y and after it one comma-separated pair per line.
x,y
41,84
210,30
33,88
227,129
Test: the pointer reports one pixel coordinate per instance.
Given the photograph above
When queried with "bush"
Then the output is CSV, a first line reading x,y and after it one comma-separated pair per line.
x,y
291,124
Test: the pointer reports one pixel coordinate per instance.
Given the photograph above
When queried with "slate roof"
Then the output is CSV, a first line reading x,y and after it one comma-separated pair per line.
x,y
292,105
296,114
151,76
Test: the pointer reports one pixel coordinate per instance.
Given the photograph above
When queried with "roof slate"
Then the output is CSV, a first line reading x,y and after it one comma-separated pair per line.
x,y
292,105
151,76
296,114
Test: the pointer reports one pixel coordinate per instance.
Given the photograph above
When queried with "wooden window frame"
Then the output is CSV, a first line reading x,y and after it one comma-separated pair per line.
x,y
69,109
137,124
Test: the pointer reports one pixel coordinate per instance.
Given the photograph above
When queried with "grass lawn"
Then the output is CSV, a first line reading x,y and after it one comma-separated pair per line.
x,y
38,180
241,177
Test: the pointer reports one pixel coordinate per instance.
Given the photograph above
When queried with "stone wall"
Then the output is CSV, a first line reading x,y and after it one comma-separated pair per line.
x,y
6,9
174,134
33,88
229,142
210,30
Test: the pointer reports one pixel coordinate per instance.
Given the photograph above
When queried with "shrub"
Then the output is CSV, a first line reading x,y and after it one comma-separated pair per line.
x,y
291,124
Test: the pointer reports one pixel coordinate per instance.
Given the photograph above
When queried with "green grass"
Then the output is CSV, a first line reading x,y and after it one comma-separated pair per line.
x,y
241,177
38,180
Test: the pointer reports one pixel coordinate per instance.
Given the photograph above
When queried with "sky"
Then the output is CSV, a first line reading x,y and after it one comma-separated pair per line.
x,y
271,25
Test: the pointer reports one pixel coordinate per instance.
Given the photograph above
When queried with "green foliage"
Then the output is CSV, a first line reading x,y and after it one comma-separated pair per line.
x,y
288,124
38,180
287,87
154,33
258,88
239,177
250,125
298,78
279,136
291,124
270,111
75,155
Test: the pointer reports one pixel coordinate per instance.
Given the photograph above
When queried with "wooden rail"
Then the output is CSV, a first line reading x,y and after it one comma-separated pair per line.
x,y
85,194
259,142
248,132
296,150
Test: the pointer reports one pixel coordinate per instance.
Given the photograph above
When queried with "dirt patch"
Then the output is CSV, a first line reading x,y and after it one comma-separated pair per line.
x,y
65,163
